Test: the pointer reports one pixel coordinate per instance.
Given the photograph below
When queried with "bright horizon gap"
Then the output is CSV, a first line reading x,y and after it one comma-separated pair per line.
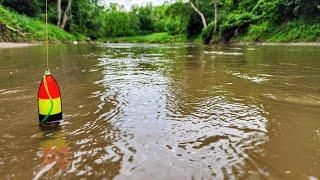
x,y
129,3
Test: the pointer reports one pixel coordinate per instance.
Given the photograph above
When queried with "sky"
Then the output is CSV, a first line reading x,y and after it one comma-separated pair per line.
x,y
128,3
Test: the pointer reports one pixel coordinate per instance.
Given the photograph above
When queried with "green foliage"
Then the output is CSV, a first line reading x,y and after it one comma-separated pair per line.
x,y
296,31
267,10
98,22
87,19
257,32
178,17
146,19
27,7
254,20
307,8
173,27
235,24
182,15
117,24
249,20
160,18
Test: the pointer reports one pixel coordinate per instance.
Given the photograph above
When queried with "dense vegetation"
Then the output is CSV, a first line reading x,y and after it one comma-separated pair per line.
x,y
213,20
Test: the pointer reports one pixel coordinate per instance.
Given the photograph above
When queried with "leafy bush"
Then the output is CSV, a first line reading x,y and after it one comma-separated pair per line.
x,y
160,25
257,32
173,27
146,20
268,10
118,24
296,31
235,24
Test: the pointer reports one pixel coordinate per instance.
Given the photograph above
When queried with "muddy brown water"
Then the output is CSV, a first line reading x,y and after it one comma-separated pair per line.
x,y
138,111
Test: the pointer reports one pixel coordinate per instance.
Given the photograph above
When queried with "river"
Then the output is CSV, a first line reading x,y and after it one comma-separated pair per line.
x,y
152,111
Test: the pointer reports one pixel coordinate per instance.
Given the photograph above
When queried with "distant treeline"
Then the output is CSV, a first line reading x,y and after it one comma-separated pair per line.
x,y
214,20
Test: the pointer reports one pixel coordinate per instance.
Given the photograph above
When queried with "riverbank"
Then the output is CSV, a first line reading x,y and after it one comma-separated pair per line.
x,y
166,38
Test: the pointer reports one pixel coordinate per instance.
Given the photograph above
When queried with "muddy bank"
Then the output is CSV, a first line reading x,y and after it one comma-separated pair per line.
x,y
278,44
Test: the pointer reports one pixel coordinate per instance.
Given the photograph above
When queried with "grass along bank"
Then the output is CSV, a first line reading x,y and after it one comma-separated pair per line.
x,y
19,28
150,38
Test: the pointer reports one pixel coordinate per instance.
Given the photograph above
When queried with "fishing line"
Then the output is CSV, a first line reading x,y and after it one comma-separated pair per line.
x,y
47,72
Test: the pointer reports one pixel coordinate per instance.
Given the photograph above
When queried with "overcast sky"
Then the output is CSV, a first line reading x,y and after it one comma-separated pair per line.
x,y
129,3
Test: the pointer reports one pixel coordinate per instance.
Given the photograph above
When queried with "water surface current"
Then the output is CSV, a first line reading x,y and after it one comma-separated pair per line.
x,y
142,111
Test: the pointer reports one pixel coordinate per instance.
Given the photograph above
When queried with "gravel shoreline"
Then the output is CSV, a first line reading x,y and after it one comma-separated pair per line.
x,y
277,44
7,45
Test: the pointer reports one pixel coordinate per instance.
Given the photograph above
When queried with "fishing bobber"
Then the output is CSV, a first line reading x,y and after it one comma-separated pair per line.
x,y
49,101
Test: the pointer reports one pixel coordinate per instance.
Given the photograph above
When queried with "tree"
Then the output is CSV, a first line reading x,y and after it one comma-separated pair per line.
x,y
203,19
66,14
215,3
59,12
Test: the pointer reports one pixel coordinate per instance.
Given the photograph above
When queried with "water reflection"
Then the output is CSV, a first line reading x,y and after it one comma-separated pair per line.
x,y
54,153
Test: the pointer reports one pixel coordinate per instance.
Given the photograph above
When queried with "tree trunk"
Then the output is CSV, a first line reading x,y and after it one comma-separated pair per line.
x,y
59,12
204,22
215,16
65,16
